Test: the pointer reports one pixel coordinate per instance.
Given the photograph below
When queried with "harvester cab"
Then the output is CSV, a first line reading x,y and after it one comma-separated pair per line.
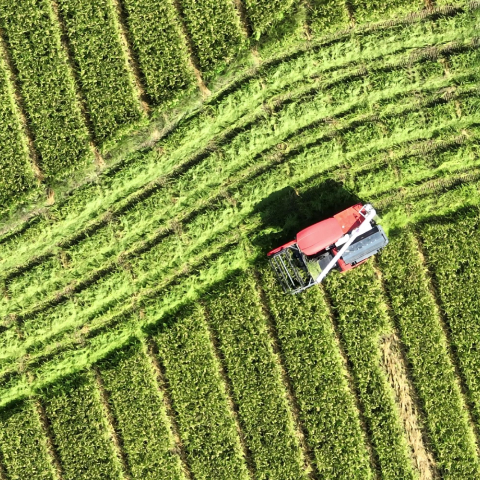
x,y
341,242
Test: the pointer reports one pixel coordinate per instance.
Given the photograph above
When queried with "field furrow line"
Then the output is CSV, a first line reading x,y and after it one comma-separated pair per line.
x,y
112,425
152,353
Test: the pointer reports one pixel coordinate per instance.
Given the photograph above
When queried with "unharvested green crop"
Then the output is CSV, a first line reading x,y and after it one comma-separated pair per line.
x,y
199,399
237,321
420,327
81,435
46,85
139,411
106,81
160,48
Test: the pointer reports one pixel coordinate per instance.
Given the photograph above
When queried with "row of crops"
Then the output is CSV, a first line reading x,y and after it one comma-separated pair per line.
x,y
251,383
137,315
77,75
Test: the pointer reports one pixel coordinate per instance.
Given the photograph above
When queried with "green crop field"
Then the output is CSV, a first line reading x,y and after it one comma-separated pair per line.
x,y
151,153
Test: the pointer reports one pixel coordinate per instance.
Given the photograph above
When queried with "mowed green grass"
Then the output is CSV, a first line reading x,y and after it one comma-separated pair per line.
x,y
142,335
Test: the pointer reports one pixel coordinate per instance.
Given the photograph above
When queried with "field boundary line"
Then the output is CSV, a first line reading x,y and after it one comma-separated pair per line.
x,y
396,367
300,431
192,57
347,370
19,109
225,379
70,58
111,424
49,438
459,378
242,14
128,53
151,352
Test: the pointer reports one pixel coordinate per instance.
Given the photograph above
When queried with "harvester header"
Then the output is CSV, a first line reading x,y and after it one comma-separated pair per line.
x,y
341,242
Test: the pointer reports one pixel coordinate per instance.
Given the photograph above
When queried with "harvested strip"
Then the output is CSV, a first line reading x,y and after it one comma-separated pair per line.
x,y
360,312
46,85
80,430
451,248
22,444
107,84
215,32
313,362
160,48
239,324
419,322
140,415
16,173
206,426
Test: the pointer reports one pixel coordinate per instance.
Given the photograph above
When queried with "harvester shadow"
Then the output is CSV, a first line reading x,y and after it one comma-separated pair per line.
x,y
287,211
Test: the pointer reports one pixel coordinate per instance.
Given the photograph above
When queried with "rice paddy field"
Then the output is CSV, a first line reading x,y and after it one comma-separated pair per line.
x,y
151,153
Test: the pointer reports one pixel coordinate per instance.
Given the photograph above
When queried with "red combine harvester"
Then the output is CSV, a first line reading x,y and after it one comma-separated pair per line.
x,y
343,242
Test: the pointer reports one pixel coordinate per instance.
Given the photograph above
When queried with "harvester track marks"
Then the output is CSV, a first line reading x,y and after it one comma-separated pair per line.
x,y
300,430
47,431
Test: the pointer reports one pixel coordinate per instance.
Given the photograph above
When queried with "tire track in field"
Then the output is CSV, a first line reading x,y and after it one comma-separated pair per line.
x,y
461,381
112,427
292,402
151,351
232,406
347,367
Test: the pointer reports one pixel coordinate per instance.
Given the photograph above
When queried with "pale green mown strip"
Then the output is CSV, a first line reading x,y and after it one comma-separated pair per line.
x,y
42,283
77,212
138,408
319,380
375,10
160,48
357,301
108,86
80,430
451,247
214,29
22,444
237,321
16,174
417,317
206,425
46,85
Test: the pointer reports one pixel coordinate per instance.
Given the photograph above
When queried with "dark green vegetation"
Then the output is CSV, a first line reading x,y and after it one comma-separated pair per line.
x,y
141,333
